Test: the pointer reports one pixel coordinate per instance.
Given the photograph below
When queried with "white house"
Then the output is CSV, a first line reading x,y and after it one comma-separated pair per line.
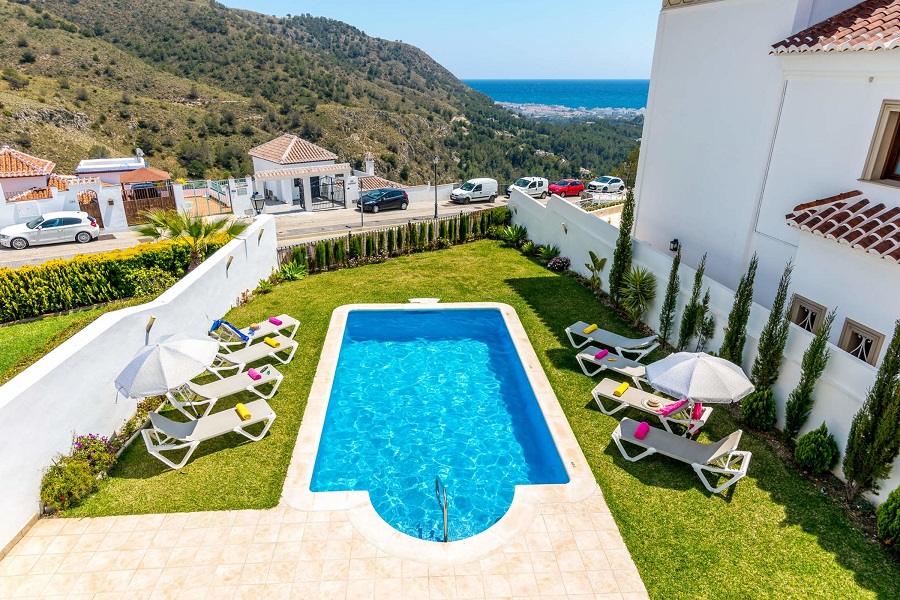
x,y
109,170
789,149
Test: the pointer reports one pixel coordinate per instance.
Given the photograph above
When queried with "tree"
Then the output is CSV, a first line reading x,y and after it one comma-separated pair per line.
x,y
667,313
622,254
706,324
773,338
190,230
690,319
736,329
638,291
874,439
815,359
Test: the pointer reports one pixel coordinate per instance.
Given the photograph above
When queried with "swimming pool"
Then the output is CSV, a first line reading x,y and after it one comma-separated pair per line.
x,y
426,393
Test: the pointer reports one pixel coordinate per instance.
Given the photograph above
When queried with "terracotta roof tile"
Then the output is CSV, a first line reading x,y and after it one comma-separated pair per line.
x,y
18,164
870,25
373,182
873,228
289,150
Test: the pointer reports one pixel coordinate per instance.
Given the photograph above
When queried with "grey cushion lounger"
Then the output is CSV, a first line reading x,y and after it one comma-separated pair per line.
x,y
238,359
197,394
640,347
637,399
590,365
228,338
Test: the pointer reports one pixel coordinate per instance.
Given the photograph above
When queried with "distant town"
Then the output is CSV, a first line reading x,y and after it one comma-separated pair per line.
x,y
556,113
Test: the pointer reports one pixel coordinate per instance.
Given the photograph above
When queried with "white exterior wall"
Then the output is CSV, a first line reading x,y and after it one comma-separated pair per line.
x,y
839,393
71,390
109,198
425,193
18,184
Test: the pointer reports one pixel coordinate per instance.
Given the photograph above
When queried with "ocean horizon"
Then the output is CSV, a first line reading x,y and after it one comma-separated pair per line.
x,y
628,94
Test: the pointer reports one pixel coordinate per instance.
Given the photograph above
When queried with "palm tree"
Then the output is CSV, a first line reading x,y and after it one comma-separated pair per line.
x,y
637,292
193,231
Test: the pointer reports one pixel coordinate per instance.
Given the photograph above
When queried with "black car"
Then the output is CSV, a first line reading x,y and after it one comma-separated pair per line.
x,y
375,200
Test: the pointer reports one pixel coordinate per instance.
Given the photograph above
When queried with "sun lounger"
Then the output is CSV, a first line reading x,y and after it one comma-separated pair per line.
x,y
591,365
238,359
649,403
640,347
166,435
721,458
229,338
193,394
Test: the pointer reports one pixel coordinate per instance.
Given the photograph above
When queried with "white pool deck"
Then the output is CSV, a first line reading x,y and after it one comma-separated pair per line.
x,y
556,541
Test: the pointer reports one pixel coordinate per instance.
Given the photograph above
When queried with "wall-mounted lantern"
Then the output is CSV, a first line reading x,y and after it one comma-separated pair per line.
x,y
674,245
565,229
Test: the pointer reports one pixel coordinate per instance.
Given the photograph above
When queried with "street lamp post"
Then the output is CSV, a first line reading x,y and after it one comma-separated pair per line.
x,y
435,161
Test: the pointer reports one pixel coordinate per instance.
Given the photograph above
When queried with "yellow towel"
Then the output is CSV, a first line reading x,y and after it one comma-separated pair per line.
x,y
612,359
620,390
242,412
272,342
591,328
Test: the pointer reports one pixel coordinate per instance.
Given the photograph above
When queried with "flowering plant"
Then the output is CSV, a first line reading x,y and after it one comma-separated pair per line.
x,y
560,263
97,451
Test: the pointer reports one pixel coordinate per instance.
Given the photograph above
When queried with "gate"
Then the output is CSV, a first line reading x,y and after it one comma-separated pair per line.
x,y
204,198
327,193
136,207
89,203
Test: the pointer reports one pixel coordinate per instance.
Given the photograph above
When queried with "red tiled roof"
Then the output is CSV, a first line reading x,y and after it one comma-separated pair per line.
x,y
18,164
373,182
849,219
870,25
290,150
60,182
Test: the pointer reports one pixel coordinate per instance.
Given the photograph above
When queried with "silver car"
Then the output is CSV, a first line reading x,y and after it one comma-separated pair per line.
x,y
607,184
51,228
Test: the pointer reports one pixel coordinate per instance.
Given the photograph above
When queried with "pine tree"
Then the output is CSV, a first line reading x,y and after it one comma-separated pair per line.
x,y
690,319
736,330
667,314
815,359
773,338
874,439
622,254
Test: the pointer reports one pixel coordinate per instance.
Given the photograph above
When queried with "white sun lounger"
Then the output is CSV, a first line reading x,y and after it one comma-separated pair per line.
x,y
621,344
228,338
238,359
590,365
721,458
648,403
167,435
198,394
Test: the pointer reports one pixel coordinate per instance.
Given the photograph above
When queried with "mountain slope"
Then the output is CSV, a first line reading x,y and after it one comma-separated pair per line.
x,y
196,84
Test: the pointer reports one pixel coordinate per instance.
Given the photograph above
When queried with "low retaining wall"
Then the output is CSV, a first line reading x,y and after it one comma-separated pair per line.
x,y
71,390
839,393
425,193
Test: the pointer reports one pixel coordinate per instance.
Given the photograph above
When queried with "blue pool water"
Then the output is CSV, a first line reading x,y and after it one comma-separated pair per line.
x,y
426,393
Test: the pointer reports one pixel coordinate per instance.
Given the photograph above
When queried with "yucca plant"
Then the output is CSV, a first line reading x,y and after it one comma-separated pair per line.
x,y
192,231
293,271
548,253
513,235
637,292
530,249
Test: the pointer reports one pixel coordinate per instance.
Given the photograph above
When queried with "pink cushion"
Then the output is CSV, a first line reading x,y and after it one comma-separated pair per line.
x,y
672,408
254,374
275,321
698,411
641,431
601,354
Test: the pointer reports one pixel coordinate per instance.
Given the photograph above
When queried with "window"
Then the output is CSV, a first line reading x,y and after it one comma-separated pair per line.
x,y
883,163
71,222
806,314
51,223
861,342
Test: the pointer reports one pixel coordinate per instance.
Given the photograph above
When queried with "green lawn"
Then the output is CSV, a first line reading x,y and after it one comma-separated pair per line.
x,y
773,535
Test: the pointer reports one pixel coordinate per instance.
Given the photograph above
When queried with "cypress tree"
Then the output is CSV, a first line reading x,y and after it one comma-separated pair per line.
x,y
706,324
874,439
815,359
391,246
622,254
690,319
667,313
736,329
773,338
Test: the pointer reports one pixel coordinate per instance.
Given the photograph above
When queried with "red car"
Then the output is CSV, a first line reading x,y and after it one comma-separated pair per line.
x,y
567,187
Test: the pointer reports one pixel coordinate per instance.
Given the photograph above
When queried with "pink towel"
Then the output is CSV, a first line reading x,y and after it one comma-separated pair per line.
x,y
275,321
601,354
671,408
641,431
698,411
254,374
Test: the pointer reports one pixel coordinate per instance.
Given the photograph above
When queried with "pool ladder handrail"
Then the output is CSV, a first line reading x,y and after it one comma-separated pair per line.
x,y
440,491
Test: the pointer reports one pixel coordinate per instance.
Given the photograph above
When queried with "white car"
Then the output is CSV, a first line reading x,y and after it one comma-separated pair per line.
x,y
533,186
51,228
607,184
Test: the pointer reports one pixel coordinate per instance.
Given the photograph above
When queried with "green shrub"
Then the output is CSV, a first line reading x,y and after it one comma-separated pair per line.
x,y
97,451
413,237
293,271
321,258
430,232
391,243
888,515
463,228
355,247
264,287
67,482
150,281
451,230
442,229
548,253
758,410
817,451
340,252
529,248
515,236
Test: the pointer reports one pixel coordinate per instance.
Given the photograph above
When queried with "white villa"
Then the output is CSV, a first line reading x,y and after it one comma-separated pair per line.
x,y
773,126
109,170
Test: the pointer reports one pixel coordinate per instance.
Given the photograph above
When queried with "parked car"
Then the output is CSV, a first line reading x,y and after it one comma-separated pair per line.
x,y
482,188
533,186
567,187
607,183
376,200
51,228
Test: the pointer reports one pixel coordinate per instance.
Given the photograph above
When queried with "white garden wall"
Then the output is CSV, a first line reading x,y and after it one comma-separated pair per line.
x,y
839,393
71,390
425,193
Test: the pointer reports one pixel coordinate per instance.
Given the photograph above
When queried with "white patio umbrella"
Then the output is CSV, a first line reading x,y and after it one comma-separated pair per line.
x,y
699,377
172,361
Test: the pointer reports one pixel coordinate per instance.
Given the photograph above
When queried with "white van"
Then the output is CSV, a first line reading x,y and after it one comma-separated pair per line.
x,y
536,187
482,188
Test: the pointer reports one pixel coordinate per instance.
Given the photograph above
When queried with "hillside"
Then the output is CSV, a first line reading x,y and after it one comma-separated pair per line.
x,y
195,84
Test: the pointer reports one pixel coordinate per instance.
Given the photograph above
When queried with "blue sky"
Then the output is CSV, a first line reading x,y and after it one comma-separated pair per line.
x,y
505,39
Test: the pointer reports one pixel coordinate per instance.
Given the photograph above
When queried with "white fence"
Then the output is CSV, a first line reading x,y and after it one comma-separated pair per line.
x,y
71,390
839,393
